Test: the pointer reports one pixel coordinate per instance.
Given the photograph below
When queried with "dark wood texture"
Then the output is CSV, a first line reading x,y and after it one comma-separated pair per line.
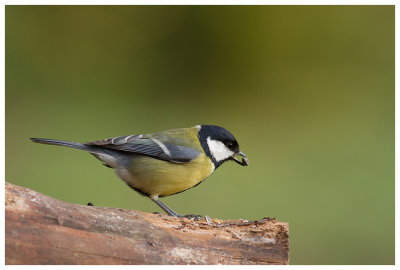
x,y
43,230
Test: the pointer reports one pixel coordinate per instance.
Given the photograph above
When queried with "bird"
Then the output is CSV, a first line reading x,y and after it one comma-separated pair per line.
x,y
163,163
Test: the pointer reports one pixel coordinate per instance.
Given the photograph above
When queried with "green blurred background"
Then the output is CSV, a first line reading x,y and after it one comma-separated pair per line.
x,y
307,90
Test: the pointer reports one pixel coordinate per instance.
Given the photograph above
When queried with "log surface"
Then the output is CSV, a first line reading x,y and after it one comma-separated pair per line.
x,y
42,230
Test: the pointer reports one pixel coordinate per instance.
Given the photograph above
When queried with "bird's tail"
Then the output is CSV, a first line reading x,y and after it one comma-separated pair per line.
x,y
75,145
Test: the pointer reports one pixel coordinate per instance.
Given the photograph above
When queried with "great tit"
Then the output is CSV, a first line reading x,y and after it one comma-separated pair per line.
x,y
163,163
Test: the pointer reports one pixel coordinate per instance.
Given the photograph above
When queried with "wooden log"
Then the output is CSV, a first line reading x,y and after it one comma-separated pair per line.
x,y
43,230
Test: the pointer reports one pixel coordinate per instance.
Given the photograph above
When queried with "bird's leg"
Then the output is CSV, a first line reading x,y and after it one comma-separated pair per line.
x,y
171,212
168,210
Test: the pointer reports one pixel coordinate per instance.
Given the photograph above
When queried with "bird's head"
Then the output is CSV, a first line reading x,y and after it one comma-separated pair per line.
x,y
220,145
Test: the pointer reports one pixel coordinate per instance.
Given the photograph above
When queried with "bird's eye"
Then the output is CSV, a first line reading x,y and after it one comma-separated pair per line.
x,y
230,145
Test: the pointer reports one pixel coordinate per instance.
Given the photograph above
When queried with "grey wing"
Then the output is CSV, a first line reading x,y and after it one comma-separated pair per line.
x,y
144,145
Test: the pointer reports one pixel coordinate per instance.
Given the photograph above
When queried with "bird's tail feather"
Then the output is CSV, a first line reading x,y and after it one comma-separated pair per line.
x,y
75,145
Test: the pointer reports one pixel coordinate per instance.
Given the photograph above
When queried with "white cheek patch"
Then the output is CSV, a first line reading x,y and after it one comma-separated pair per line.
x,y
218,150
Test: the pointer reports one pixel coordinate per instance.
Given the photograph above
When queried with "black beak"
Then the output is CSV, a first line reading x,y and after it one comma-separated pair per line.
x,y
245,160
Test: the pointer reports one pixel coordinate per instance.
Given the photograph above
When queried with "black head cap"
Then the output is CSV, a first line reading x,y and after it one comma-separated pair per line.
x,y
220,134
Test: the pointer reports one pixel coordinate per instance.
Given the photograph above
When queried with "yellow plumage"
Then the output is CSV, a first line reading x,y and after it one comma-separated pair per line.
x,y
163,178
159,178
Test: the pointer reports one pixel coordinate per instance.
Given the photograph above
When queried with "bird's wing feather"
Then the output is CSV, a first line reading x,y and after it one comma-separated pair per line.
x,y
160,148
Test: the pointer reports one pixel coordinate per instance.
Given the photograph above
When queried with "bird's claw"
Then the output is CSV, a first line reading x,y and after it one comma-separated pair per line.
x,y
193,217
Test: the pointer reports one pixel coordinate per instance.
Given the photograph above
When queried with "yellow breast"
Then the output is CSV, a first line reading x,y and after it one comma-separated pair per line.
x,y
162,178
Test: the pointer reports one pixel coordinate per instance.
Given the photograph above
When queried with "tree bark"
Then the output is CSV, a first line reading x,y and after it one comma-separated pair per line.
x,y
43,230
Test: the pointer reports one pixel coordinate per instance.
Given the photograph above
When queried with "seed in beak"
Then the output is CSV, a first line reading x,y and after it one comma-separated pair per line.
x,y
245,160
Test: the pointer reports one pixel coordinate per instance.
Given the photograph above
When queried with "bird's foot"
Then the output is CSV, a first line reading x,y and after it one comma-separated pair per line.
x,y
193,217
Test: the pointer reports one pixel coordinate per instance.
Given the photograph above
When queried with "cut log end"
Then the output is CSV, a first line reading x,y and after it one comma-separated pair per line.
x,y
43,230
